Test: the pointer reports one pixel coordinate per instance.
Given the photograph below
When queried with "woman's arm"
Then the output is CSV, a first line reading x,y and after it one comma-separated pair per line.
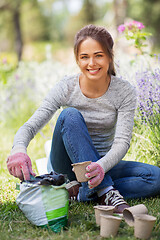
x,y
19,163
123,134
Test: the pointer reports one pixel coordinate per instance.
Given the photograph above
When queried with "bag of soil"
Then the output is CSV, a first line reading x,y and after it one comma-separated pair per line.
x,y
44,201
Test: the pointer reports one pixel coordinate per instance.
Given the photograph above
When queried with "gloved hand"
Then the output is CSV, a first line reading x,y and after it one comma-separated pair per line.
x,y
95,173
19,165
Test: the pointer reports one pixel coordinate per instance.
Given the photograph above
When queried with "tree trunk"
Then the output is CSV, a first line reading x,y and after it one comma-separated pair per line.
x,y
120,9
18,37
89,11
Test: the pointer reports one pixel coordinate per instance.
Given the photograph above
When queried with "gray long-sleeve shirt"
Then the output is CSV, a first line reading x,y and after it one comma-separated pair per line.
x,y
109,118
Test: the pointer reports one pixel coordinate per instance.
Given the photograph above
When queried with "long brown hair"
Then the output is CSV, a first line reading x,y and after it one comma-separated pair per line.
x,y
101,35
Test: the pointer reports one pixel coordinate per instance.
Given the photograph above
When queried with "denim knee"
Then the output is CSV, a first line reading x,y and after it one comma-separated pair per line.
x,y
68,111
70,115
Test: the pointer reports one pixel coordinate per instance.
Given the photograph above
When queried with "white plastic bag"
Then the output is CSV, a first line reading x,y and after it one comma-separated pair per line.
x,y
44,205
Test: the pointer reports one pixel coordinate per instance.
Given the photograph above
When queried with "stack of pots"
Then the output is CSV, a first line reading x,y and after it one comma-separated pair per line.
x,y
136,216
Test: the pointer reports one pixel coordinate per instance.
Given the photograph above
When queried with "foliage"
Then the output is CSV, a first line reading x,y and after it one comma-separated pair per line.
x,y
6,69
142,149
146,133
15,30
133,31
149,106
36,51
31,81
31,12
52,24
148,12
148,88
148,92
8,64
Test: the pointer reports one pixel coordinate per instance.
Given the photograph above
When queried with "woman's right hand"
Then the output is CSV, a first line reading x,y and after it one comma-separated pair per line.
x,y
19,165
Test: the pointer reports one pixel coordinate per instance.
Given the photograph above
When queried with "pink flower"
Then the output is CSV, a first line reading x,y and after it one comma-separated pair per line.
x,y
139,25
121,28
129,25
132,26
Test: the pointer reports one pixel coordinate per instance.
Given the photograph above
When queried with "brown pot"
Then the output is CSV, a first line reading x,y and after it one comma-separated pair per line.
x,y
143,225
102,210
80,170
129,213
109,225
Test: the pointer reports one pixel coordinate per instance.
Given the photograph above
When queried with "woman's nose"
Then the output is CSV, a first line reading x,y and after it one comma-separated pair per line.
x,y
92,62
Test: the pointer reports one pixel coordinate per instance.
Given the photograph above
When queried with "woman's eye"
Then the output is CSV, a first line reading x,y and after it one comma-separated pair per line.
x,y
99,55
84,57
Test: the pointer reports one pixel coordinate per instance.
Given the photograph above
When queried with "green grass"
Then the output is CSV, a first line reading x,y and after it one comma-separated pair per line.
x,y
81,222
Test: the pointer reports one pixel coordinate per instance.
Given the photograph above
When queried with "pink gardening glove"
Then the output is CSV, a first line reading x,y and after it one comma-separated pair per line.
x,y
19,165
95,173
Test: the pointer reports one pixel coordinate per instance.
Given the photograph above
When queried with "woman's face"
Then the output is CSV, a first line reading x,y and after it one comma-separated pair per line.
x,y
92,60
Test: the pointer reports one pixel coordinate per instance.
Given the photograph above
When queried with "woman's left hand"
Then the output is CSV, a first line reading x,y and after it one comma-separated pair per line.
x,y
95,173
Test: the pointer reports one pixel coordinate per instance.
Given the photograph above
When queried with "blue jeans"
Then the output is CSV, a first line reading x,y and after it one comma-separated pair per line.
x,y
72,143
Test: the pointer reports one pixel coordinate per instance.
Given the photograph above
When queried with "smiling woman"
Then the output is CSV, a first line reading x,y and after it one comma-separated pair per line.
x,y
96,125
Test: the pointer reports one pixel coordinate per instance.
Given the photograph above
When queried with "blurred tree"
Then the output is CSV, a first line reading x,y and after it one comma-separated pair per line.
x,y
34,22
14,9
57,15
21,22
89,11
120,11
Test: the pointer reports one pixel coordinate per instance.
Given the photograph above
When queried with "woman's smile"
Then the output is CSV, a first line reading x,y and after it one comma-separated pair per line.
x,y
94,71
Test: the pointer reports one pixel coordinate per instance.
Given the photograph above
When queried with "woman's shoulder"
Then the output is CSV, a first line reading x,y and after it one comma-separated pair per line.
x,y
122,86
64,85
73,78
122,90
118,81
68,82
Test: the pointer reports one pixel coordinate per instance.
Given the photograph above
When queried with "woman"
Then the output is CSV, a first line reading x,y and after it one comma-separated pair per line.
x,y
96,125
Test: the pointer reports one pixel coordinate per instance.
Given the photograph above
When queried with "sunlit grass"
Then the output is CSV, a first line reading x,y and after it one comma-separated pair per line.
x,y
142,149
